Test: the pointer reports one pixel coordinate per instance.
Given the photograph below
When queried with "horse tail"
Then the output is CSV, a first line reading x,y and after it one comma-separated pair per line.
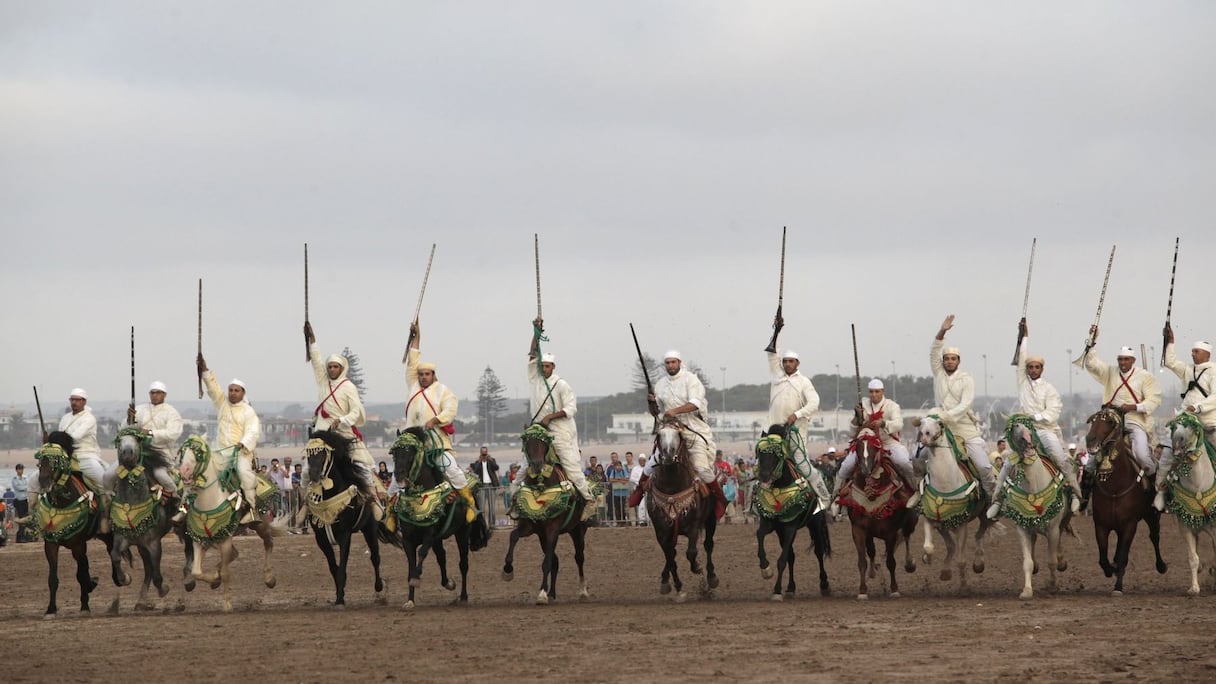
x,y
388,537
479,534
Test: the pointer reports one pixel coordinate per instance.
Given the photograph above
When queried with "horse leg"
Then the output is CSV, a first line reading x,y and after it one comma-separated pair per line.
x,y
785,543
1152,517
951,549
793,536
864,547
80,551
819,536
694,539
187,576
892,545
373,548
149,575
1102,535
927,549
51,550
1192,555
548,570
1027,538
977,563
331,560
870,552
711,577
268,578
411,559
120,576
227,555
579,537
462,545
762,530
1055,555
344,539
508,563
1123,543
441,559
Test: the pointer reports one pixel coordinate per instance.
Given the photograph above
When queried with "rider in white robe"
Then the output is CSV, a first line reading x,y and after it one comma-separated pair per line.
x,y
238,428
81,425
163,424
1131,390
792,400
1198,397
954,391
554,406
884,417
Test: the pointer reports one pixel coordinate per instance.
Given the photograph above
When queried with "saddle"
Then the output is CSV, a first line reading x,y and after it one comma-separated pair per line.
x,y
1033,509
884,492
424,508
784,503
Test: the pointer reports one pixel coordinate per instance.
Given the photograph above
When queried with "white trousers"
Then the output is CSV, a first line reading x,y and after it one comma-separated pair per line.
x,y
1140,450
159,475
899,458
566,448
365,468
977,451
698,452
249,481
92,469
453,472
1055,451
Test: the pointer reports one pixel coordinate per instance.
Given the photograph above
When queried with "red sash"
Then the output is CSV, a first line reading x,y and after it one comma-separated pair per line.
x,y
449,428
325,414
1123,381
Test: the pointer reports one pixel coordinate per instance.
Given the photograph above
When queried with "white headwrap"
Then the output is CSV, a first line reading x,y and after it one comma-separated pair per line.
x,y
236,382
831,450
341,361
948,351
876,384
673,354
790,354
1127,351
158,386
548,358
1203,346
77,392
1072,445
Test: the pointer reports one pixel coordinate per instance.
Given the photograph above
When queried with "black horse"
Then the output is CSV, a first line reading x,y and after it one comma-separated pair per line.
x,y
678,506
67,514
549,506
336,511
785,503
428,510
139,519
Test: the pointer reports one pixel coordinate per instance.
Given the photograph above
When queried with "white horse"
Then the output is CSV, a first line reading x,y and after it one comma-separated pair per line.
x,y
213,518
950,499
1193,481
1035,501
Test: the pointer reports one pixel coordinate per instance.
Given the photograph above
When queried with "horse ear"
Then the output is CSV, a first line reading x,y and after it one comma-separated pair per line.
x,y
763,433
398,432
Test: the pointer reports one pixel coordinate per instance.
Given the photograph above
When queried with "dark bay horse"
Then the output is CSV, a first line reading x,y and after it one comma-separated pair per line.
x,y
336,511
428,510
786,503
678,505
549,506
139,518
877,503
66,514
1119,498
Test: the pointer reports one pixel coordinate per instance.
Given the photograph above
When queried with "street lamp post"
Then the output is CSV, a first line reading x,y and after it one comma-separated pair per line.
x,y
1069,352
893,376
985,357
723,391
837,400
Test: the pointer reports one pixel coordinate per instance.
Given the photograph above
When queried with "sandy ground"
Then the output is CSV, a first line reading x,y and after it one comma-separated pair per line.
x,y
626,631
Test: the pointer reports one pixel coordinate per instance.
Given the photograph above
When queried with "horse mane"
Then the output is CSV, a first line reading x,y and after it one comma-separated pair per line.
x,y
776,429
339,445
155,458
63,440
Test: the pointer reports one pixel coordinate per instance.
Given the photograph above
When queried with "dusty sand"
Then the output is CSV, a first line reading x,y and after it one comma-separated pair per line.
x,y
626,631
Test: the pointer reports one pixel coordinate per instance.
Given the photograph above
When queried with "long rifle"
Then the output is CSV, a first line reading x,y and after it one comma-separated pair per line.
x,y
536,253
307,349
200,333
1169,308
1025,303
131,418
418,309
1143,357
1089,341
41,421
856,364
772,343
642,361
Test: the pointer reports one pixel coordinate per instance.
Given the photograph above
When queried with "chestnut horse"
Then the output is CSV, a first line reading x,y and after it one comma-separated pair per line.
x,y
1119,498
678,505
877,503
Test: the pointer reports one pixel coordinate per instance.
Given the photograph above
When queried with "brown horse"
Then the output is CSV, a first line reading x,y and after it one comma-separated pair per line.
x,y
877,503
679,506
1120,499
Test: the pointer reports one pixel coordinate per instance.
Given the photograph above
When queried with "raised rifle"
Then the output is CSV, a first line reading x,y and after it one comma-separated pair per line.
x,y
772,343
200,332
645,370
418,309
131,418
1025,303
1090,341
307,348
41,421
1169,308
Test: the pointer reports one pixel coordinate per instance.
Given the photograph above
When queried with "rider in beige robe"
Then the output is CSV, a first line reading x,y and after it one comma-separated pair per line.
x,y
554,406
238,428
1198,397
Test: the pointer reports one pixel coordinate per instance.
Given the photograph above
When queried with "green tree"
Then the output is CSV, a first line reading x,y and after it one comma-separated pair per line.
x,y
491,401
354,371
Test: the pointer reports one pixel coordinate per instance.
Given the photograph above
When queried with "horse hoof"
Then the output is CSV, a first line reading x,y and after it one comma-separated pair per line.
x,y
415,582
776,597
1109,572
896,594
926,559
681,597
339,606
146,606
1161,568
271,582
1193,591
215,585
909,567
1026,595
189,586
767,572
977,568
1062,566
50,616
409,605
542,599
1116,592
227,607
825,590
863,597
712,581
508,576
945,575
113,609
450,585
162,592
1035,571
584,595
665,588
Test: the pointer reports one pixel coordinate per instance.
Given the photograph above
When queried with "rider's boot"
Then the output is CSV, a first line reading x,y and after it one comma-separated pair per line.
x,y
1159,499
173,506
715,490
998,496
471,508
1076,489
251,506
590,507
371,498
909,477
635,497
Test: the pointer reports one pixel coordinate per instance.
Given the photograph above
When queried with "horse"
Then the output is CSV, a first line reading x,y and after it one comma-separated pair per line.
x,y
548,505
67,514
1192,481
951,498
428,510
877,503
1119,497
213,517
336,511
785,503
138,518
1036,500
679,505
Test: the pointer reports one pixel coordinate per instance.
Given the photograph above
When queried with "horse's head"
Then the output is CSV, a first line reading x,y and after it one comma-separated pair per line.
x,y
1186,434
322,451
1105,426
770,454
930,430
868,447
409,456
668,445
1019,434
130,444
537,443
54,460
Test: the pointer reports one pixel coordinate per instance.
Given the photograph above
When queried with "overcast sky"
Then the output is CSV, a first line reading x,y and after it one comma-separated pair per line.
x,y
913,149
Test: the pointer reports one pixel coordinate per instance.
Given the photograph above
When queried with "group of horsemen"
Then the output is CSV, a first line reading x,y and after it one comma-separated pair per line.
x,y
678,397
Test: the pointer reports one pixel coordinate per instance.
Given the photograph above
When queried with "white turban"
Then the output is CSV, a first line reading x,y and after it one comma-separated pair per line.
x,y
1202,346
790,354
1127,351
157,386
341,361
548,358
951,351
1072,445
236,382
876,384
831,450
79,393
673,354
